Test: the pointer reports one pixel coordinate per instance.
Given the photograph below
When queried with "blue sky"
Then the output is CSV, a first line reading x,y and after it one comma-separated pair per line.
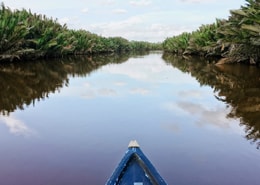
x,y
146,20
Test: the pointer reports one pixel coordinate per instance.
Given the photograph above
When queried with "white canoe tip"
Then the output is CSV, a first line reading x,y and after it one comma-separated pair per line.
x,y
133,144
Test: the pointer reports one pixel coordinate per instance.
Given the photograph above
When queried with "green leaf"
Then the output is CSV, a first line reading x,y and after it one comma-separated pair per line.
x,y
239,12
253,28
52,44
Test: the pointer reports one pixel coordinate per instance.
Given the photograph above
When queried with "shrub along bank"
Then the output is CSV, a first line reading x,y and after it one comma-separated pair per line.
x,y
27,36
236,39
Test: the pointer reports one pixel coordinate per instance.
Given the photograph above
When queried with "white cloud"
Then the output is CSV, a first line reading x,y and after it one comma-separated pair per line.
x,y
198,1
16,126
64,20
120,83
71,22
158,32
147,27
107,92
140,2
141,91
107,2
136,28
85,10
119,11
124,28
128,23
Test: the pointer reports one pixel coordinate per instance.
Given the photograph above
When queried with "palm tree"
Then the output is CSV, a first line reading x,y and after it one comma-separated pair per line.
x,y
241,32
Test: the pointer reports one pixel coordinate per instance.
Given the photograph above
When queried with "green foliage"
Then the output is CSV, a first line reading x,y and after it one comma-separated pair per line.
x,y
237,38
24,35
177,44
200,42
145,46
12,32
203,40
242,32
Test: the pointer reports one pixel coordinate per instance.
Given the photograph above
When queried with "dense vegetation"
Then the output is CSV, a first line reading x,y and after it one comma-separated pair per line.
x,y
234,40
24,35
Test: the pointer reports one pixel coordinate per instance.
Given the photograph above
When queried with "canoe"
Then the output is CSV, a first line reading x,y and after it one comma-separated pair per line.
x,y
135,169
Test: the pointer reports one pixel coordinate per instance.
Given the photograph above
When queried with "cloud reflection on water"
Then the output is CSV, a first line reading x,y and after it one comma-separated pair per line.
x,y
174,127
202,115
154,73
92,92
216,117
16,126
132,78
192,93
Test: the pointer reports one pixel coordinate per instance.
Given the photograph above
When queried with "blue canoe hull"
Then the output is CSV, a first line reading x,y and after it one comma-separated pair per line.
x,y
135,169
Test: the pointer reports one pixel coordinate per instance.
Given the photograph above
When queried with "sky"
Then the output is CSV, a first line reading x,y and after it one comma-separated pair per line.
x,y
139,20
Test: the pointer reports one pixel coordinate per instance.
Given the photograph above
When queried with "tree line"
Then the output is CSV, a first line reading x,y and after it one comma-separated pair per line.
x,y
236,39
25,36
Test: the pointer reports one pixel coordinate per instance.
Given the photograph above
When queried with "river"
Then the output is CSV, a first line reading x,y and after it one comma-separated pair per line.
x,y
69,121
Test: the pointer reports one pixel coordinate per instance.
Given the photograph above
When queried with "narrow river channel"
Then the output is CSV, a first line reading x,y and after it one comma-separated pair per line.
x,y
69,121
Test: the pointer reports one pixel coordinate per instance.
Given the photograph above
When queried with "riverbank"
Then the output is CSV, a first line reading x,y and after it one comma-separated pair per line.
x,y
28,36
234,40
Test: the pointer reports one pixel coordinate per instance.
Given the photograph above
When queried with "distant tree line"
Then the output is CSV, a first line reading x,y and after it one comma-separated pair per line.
x,y
25,36
236,39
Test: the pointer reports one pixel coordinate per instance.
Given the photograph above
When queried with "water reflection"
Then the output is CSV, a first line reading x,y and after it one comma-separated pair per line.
x,y
24,83
238,86
143,99
205,116
16,126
